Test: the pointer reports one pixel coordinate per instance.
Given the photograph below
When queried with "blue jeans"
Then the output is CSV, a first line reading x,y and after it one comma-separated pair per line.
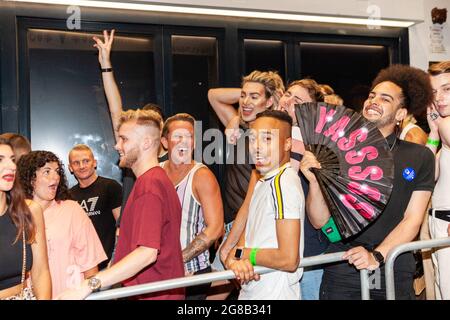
x,y
310,284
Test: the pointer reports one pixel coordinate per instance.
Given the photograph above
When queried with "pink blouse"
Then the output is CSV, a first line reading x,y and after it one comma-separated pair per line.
x,y
72,243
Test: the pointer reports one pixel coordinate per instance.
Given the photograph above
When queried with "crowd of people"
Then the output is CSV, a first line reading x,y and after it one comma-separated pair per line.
x,y
170,212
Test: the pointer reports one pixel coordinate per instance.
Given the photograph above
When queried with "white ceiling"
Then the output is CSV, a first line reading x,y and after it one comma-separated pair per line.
x,y
388,9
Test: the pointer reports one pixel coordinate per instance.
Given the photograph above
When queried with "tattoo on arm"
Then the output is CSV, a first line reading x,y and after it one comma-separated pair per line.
x,y
200,244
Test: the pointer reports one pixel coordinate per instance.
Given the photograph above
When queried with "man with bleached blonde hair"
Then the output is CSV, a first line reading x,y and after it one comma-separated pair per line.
x,y
149,247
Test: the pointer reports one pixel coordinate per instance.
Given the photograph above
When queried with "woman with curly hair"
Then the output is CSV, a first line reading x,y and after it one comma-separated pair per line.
x,y
21,232
74,249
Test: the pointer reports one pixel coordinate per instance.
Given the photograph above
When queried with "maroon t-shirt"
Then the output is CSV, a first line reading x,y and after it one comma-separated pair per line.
x,y
152,218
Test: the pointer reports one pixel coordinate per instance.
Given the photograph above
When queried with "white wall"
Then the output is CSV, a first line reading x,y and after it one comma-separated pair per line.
x,y
419,37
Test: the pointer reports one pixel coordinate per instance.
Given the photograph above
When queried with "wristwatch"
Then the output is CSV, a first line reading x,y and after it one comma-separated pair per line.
x,y
238,253
94,284
378,257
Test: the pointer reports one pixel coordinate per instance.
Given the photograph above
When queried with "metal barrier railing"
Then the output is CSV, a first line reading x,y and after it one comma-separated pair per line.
x,y
306,262
396,251
365,288
217,276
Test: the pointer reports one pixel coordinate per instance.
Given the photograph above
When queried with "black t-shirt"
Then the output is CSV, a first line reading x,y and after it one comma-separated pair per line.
x,y
98,200
413,171
238,170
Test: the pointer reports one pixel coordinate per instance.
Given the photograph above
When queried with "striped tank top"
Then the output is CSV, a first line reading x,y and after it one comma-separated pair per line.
x,y
192,220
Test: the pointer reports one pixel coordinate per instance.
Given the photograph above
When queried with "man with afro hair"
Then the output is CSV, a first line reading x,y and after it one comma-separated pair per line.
x,y
396,91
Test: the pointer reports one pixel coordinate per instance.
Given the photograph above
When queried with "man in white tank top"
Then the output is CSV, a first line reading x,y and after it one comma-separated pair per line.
x,y
439,121
199,194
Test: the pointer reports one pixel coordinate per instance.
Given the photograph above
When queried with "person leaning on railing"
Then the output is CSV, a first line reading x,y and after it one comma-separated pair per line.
x,y
396,91
438,116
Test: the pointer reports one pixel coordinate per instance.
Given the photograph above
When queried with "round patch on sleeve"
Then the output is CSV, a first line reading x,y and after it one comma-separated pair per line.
x,y
409,174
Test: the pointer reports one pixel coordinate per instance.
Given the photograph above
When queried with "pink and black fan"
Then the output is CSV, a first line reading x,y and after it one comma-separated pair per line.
x,y
357,166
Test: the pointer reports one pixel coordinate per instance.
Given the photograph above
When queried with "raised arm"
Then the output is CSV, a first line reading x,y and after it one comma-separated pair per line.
x,y
222,100
207,191
232,131
316,207
434,119
109,83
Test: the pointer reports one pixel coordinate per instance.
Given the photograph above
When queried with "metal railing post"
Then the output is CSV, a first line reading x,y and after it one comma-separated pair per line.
x,y
365,289
396,251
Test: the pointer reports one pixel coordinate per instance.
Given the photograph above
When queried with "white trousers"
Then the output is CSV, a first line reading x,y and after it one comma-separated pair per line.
x,y
441,259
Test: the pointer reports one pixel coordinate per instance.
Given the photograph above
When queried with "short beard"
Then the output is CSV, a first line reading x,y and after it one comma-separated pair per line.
x,y
130,159
382,123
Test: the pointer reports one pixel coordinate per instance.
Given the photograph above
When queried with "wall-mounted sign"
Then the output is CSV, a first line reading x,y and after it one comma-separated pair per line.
x,y
438,17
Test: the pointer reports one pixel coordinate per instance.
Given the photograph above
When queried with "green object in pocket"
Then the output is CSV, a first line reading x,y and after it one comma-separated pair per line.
x,y
331,231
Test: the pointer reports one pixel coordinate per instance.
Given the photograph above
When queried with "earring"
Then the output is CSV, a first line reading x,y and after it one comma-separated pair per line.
x,y
398,123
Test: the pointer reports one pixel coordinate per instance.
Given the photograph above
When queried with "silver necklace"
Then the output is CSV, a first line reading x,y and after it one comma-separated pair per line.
x,y
393,145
